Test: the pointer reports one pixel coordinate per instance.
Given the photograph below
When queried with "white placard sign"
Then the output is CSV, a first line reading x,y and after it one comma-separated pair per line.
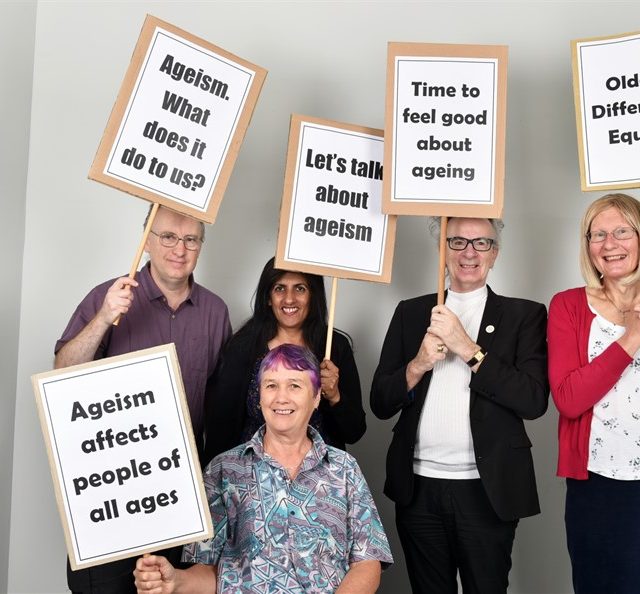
x,y
179,120
445,129
122,456
606,77
331,220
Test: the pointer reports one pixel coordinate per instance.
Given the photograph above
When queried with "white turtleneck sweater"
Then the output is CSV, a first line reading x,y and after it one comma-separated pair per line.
x,y
444,446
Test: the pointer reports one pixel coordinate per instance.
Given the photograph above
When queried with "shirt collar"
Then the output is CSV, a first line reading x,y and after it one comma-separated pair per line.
x,y
316,455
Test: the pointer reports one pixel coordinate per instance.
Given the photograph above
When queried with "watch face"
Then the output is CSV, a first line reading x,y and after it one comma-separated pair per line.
x,y
476,358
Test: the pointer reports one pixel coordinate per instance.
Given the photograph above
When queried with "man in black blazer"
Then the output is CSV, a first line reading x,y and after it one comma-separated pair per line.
x,y
463,376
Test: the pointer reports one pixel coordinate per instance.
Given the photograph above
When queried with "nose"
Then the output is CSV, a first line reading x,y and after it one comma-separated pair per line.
x,y
179,247
469,250
610,241
290,294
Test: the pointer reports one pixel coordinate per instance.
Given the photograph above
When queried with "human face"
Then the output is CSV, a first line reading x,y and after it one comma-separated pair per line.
x,y
468,269
613,258
171,267
287,400
289,300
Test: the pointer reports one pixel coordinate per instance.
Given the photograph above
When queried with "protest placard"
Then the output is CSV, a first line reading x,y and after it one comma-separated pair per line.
x,y
178,122
331,219
445,129
606,85
122,456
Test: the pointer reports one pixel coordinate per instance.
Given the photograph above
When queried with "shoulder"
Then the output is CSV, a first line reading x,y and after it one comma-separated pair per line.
x,y
208,298
227,462
416,305
570,296
340,459
517,304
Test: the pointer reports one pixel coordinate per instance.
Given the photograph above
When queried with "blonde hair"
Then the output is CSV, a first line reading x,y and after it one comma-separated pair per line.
x,y
629,208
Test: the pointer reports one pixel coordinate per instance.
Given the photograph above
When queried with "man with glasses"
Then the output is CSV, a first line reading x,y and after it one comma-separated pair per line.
x,y
162,304
463,376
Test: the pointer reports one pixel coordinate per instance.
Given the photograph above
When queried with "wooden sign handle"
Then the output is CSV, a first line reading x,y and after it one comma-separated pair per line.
x,y
332,311
442,264
138,256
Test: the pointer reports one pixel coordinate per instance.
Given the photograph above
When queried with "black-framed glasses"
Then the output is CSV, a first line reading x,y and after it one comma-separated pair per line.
x,y
620,233
480,244
168,239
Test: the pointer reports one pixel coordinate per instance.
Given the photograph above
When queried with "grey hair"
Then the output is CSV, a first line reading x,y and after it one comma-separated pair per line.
x,y
146,220
496,224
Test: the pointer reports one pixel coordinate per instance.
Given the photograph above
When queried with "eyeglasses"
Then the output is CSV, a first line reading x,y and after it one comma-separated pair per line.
x,y
620,233
168,239
480,244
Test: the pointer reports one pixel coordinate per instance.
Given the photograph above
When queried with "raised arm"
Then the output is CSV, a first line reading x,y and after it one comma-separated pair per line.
x,y
341,386
84,345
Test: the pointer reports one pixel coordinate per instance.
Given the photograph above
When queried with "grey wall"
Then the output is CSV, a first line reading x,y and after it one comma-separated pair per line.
x,y
325,59
17,30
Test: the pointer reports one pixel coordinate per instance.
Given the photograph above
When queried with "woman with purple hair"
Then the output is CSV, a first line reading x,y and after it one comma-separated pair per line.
x,y
287,508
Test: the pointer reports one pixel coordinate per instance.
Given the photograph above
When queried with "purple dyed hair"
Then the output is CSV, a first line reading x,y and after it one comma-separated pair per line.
x,y
291,356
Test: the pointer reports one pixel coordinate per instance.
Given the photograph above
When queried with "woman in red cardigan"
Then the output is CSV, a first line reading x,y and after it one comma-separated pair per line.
x,y
594,372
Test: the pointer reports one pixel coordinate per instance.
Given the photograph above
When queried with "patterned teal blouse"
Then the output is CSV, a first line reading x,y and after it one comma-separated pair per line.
x,y
277,535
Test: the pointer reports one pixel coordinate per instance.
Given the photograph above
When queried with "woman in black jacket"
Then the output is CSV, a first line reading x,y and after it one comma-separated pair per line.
x,y
290,307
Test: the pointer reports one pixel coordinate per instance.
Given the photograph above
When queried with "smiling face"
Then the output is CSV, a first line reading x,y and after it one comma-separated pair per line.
x,y
613,258
289,300
468,269
171,267
287,400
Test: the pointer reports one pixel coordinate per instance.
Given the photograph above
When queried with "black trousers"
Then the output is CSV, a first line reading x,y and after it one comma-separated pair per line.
x,y
450,527
603,535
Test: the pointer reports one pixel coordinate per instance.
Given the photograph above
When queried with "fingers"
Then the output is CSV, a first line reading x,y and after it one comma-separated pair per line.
x,y
152,574
329,378
118,299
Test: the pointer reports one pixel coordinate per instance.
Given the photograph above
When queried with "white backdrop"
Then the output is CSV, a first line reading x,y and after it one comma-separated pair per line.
x,y
325,59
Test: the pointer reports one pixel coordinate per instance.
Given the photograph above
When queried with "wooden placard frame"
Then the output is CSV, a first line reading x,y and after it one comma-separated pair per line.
x,y
438,205
587,150
51,396
299,124
232,137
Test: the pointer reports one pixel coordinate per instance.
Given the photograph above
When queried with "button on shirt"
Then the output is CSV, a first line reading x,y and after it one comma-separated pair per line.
x,y
276,535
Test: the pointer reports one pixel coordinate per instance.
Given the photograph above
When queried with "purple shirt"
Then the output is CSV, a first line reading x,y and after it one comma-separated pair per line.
x,y
199,328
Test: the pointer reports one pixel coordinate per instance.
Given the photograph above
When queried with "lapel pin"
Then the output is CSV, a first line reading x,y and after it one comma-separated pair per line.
x,y
489,329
